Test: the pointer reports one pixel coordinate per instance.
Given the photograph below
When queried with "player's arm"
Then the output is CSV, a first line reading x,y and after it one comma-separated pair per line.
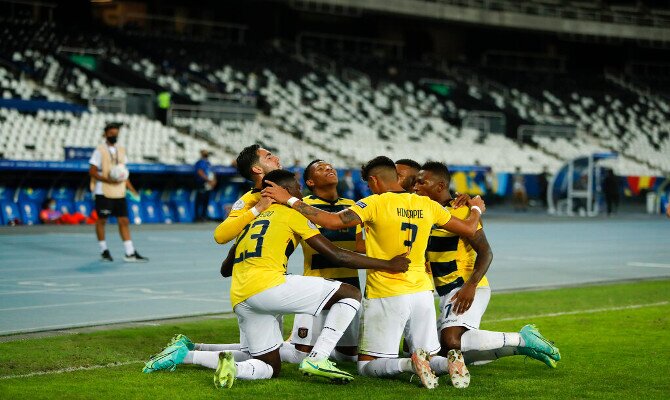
x,y
340,220
227,264
350,259
467,227
233,225
130,187
94,172
360,243
465,296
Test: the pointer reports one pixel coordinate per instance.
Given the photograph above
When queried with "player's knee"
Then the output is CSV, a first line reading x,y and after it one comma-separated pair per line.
x,y
123,221
349,291
452,341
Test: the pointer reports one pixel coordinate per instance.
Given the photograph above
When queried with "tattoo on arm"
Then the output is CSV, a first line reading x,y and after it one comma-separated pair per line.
x,y
347,216
306,209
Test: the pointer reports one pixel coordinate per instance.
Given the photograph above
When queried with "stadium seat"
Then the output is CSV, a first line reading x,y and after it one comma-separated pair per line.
x,y
30,213
151,212
6,193
32,195
182,211
135,212
62,193
10,213
215,210
66,206
84,206
167,214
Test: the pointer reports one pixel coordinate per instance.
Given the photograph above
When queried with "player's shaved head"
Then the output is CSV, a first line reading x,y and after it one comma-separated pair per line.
x,y
308,170
247,158
438,170
381,167
285,179
409,163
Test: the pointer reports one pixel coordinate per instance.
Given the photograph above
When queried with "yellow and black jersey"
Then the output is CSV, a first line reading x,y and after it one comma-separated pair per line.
x,y
451,258
239,216
398,223
263,249
318,265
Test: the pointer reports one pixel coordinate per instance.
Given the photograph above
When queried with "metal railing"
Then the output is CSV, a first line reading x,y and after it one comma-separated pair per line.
x,y
545,130
486,122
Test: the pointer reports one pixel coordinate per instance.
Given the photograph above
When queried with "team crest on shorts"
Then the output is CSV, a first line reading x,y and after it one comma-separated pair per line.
x,y
302,332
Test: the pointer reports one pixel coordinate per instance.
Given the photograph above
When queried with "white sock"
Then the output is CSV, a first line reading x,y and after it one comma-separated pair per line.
x,y
253,369
439,365
484,357
337,356
382,367
339,317
128,246
288,353
476,339
103,245
208,359
217,347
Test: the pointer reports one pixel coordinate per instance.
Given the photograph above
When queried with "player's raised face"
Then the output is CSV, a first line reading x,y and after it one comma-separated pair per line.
x,y
267,161
406,176
322,173
427,185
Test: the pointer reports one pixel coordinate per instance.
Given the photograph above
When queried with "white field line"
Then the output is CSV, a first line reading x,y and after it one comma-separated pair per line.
x,y
576,312
590,311
648,265
71,369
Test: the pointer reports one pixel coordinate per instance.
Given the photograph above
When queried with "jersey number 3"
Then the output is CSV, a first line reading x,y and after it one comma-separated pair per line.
x,y
406,226
258,237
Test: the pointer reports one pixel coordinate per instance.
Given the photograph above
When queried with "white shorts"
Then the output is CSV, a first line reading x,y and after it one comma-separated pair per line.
x,y
258,314
306,329
384,321
469,319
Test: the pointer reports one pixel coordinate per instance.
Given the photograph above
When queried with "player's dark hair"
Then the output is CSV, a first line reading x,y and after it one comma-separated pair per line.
x,y
377,163
305,173
410,163
438,169
111,125
247,158
281,177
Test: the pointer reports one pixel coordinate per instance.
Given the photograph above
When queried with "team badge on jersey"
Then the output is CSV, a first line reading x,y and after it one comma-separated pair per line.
x,y
302,332
239,204
361,204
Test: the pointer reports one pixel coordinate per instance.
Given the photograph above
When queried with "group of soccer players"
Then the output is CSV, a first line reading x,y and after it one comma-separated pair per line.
x,y
417,240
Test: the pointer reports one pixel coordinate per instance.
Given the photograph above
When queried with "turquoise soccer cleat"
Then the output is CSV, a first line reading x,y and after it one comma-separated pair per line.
x,y
324,368
536,355
226,371
168,359
535,341
183,339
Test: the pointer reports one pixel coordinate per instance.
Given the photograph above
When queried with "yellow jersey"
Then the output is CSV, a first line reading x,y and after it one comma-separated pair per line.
x,y
318,265
396,223
238,218
263,249
451,258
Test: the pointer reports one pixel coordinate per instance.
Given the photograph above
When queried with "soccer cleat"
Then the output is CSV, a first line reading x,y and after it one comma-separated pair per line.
x,y
460,376
537,355
422,369
135,258
324,368
106,256
183,339
534,340
168,359
226,371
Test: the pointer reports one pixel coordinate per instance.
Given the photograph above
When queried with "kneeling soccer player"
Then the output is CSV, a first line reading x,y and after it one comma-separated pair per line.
x,y
261,291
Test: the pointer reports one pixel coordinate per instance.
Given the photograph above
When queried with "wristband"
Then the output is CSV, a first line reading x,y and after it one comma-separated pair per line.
x,y
292,201
476,208
254,211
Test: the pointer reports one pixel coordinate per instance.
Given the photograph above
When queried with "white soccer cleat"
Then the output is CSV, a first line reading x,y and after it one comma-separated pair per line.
x,y
422,369
458,372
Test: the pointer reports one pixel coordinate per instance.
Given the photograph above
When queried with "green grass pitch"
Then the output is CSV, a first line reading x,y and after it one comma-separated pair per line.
x,y
614,339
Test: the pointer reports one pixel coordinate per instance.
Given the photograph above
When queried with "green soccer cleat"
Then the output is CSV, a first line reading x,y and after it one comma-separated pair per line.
x,y
535,341
536,355
183,339
325,368
168,359
226,371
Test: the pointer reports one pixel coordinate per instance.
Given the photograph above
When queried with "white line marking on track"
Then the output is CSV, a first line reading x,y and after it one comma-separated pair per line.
x,y
576,312
648,265
71,369
590,311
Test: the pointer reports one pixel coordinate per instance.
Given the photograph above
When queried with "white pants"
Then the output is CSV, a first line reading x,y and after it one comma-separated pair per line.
x,y
306,329
384,320
257,315
469,319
